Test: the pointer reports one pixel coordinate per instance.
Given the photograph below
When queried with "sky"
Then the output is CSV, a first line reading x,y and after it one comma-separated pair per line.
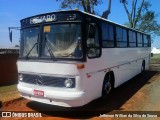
x,y
12,11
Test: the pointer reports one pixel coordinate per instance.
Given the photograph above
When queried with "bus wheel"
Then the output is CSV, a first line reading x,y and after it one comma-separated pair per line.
x,y
143,67
107,85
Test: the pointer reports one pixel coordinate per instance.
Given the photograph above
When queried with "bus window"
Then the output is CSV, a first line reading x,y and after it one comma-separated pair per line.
x,y
146,40
121,37
93,46
132,39
64,40
139,40
107,35
149,41
29,39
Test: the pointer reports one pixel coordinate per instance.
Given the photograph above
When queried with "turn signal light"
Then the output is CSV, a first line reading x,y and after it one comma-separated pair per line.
x,y
80,66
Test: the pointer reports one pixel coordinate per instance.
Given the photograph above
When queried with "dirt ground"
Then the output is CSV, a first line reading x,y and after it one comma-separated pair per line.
x,y
139,94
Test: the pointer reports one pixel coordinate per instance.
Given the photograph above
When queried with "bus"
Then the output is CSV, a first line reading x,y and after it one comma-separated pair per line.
x,y
70,58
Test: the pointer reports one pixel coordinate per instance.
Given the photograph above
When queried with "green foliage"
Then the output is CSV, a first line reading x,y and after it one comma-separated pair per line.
x,y
147,21
16,46
87,5
142,17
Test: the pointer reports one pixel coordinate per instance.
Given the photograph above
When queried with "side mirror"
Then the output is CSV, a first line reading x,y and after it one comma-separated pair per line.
x,y
10,31
10,35
92,30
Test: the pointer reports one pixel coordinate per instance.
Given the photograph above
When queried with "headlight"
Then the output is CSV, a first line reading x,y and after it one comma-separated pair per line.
x,y
68,83
20,77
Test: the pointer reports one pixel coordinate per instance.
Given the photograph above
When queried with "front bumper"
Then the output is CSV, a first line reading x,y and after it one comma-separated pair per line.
x,y
55,97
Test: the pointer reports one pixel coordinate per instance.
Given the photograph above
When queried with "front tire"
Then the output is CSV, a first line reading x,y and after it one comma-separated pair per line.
x,y
107,85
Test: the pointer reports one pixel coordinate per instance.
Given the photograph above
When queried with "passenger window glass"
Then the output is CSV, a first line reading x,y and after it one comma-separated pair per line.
x,y
107,35
93,46
139,40
93,42
132,39
121,37
146,40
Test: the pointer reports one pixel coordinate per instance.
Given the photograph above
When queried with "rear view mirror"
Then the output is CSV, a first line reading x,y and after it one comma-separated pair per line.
x,y
10,34
92,30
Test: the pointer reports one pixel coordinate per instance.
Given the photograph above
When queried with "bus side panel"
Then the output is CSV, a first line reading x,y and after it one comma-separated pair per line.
x,y
124,62
92,82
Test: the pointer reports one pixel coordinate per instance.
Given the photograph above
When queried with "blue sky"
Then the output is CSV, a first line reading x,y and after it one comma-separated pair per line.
x,y
12,11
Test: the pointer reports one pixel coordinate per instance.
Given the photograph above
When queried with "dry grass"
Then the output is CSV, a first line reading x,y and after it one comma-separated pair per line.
x,y
8,93
155,59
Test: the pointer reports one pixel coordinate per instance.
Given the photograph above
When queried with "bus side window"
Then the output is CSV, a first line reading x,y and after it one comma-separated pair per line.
x,y
132,39
139,40
93,44
107,35
121,37
146,40
149,40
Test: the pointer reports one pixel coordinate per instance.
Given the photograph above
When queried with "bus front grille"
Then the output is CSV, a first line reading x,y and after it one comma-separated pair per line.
x,y
42,80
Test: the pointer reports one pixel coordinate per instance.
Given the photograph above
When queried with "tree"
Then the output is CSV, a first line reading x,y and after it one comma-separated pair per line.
x,y
87,5
16,46
141,17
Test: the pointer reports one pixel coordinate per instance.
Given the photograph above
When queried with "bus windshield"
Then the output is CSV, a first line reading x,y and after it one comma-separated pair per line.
x,y
63,40
29,39
56,41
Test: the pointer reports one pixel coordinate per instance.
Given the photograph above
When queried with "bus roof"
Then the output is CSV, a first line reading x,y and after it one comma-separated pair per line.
x,y
99,17
95,16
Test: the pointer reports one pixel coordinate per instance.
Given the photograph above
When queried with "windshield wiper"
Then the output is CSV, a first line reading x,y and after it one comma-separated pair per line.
x,y
32,48
49,49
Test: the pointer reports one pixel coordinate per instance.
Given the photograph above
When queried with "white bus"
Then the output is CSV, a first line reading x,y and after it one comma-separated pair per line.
x,y
70,58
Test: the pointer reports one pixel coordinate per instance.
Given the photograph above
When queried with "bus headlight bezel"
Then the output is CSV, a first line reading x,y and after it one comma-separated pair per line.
x,y
20,77
68,83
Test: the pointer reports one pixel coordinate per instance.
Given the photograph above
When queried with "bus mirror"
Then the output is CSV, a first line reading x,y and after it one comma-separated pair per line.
x,y
92,30
93,52
10,31
10,35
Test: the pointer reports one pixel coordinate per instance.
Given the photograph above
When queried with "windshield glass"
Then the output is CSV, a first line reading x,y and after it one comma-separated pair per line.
x,y
63,40
29,39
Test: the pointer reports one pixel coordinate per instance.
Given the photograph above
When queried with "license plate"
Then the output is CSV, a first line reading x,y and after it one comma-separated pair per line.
x,y
38,93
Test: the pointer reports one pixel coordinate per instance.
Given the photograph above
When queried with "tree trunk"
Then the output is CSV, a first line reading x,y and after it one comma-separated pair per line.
x,y
88,6
139,13
108,11
84,7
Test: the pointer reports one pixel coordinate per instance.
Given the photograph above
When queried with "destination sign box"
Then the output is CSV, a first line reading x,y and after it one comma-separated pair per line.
x,y
50,17
43,18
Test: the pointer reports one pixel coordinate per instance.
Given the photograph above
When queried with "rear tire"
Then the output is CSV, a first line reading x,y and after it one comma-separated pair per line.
x,y
143,67
107,85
